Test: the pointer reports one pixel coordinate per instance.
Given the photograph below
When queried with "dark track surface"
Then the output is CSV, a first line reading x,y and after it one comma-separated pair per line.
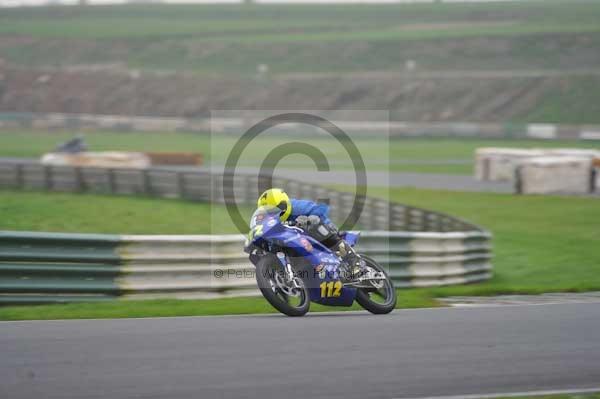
x,y
409,353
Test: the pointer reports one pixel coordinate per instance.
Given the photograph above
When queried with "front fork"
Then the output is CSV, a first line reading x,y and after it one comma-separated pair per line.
x,y
286,265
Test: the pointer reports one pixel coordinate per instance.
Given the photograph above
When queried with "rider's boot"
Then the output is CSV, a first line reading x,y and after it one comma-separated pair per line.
x,y
354,264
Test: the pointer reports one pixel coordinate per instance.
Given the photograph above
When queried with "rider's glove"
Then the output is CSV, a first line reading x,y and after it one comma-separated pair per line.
x,y
304,221
314,220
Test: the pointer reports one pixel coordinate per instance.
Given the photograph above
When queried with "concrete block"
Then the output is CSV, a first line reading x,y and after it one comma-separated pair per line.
x,y
558,174
499,164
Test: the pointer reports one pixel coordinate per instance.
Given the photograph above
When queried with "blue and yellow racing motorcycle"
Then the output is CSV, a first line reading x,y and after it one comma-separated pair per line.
x,y
293,269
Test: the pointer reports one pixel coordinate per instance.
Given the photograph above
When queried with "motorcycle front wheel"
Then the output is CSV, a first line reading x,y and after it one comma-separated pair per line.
x,y
380,297
290,298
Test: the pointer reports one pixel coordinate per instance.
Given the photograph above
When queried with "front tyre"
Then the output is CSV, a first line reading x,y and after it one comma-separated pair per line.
x,y
290,298
380,297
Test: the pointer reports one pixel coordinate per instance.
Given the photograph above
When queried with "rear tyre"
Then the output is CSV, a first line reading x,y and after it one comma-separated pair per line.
x,y
381,297
289,299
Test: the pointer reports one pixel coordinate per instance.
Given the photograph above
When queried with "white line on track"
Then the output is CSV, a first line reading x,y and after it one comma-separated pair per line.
x,y
500,304
512,394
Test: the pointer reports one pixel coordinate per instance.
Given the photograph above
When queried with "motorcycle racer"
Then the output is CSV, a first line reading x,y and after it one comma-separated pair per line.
x,y
313,219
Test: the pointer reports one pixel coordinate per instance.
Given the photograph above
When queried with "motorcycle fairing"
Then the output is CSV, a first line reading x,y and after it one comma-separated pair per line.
x,y
325,264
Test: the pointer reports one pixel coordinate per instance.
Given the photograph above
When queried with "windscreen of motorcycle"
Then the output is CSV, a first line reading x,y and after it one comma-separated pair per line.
x,y
262,213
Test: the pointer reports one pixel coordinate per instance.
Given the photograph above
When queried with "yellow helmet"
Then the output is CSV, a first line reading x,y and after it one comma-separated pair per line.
x,y
276,197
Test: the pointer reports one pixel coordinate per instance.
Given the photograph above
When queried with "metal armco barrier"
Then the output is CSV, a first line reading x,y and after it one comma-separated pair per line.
x,y
54,267
420,247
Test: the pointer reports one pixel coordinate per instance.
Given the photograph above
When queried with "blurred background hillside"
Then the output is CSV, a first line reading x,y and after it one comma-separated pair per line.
x,y
525,61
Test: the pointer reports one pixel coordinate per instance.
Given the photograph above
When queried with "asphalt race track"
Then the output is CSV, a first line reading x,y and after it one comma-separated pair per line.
x,y
410,353
433,181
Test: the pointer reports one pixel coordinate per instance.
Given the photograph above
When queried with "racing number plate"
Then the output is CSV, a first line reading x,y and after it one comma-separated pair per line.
x,y
330,289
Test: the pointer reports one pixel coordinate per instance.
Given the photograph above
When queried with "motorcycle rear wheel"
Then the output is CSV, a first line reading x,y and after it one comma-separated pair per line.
x,y
271,282
366,297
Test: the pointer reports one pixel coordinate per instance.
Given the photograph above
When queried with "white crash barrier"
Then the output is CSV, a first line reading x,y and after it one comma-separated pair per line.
x,y
501,164
573,152
557,174
215,266
542,131
596,171
107,159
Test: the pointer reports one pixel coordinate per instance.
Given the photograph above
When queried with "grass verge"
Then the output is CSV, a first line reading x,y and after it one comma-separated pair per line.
x,y
173,308
87,213
541,243
297,22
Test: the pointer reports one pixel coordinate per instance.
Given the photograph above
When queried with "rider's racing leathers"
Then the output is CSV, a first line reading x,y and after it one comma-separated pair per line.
x,y
313,218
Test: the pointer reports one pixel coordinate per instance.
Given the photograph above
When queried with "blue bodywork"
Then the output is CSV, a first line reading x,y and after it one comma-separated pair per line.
x,y
266,230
